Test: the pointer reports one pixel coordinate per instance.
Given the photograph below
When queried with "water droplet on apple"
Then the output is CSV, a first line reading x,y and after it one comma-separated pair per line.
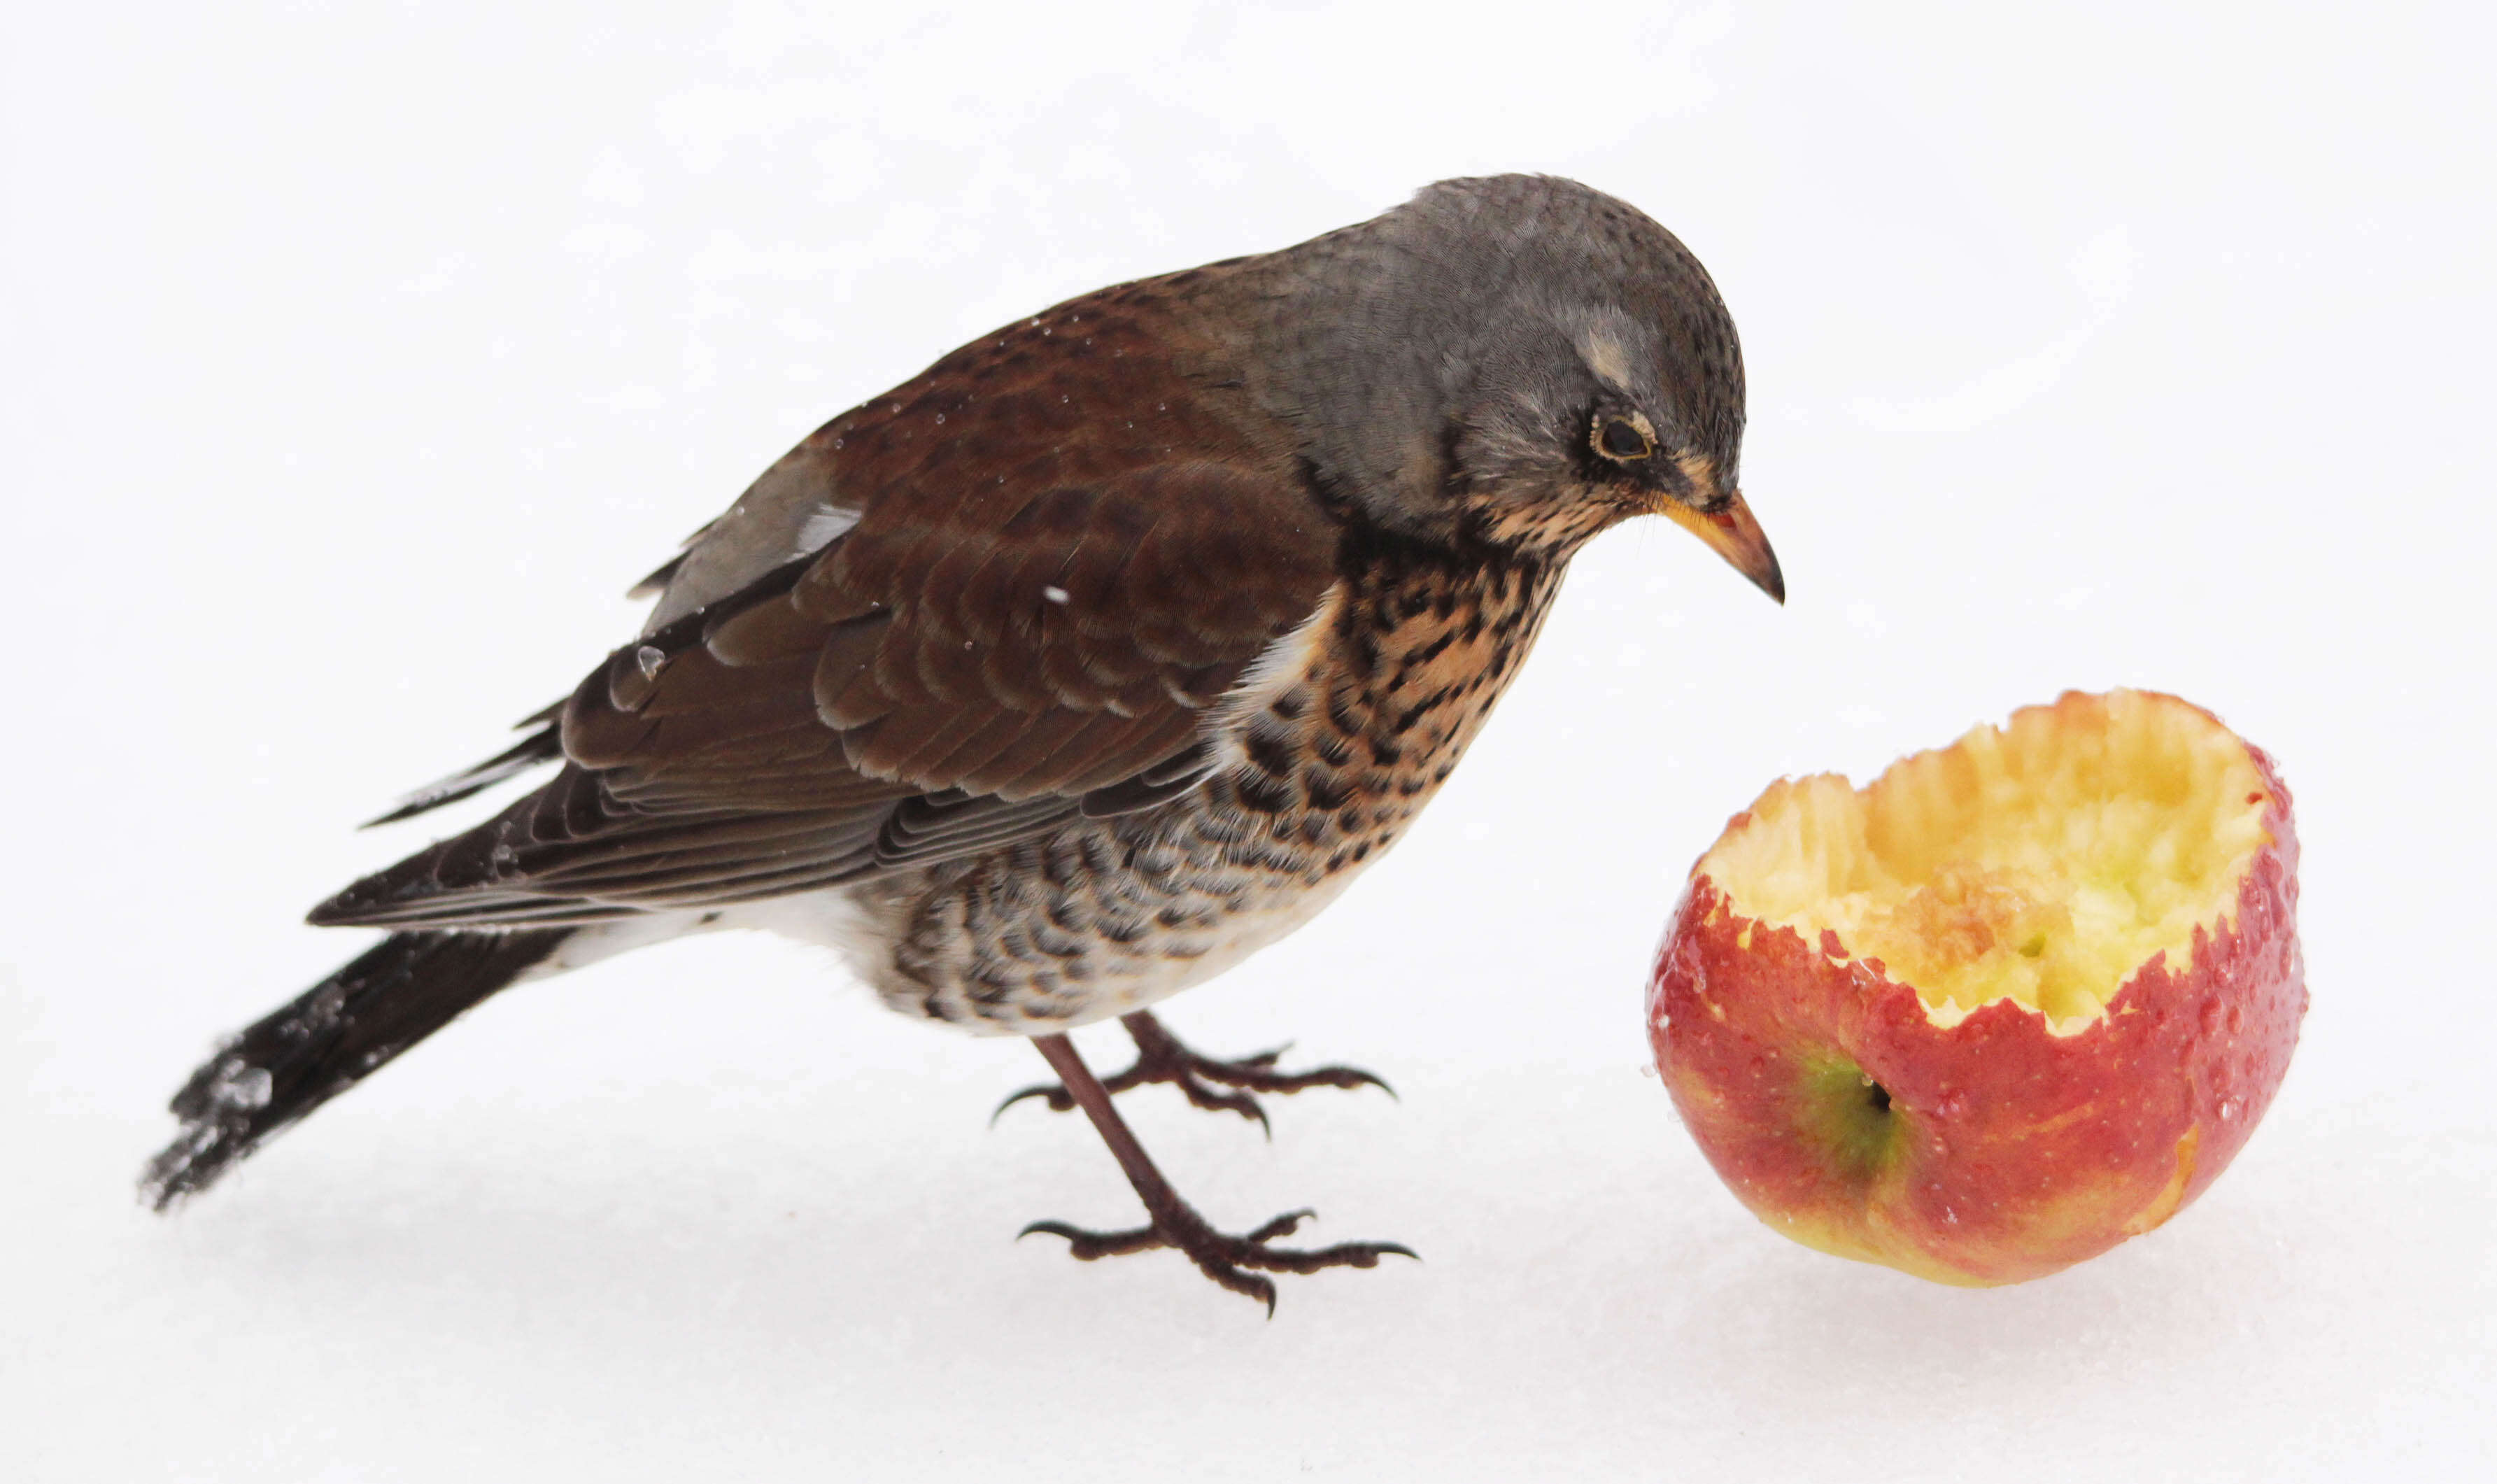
x,y
2210,1017
2229,1107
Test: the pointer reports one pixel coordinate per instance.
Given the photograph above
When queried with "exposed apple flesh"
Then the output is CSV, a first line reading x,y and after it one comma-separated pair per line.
x,y
2017,1000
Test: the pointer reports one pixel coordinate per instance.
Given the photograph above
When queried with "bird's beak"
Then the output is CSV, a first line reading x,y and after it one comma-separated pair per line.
x,y
1731,533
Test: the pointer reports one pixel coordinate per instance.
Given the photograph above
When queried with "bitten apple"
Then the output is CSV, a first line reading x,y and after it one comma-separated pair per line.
x,y
2014,1001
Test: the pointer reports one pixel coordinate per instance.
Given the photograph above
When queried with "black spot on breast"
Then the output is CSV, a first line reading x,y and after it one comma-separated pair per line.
x,y
1420,709
1361,652
1271,753
1432,650
1264,795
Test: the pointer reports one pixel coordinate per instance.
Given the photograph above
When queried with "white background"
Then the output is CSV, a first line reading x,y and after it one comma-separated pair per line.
x,y
358,357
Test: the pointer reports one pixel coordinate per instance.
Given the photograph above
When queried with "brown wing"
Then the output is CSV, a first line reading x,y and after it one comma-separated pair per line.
x,y
946,676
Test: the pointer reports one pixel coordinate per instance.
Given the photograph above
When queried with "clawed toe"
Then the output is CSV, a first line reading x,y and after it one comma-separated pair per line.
x,y
1056,1096
1216,1085
1088,1246
1225,1258
1281,1226
1253,1073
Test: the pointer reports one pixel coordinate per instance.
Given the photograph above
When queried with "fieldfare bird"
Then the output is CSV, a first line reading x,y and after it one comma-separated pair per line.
x,y
1069,673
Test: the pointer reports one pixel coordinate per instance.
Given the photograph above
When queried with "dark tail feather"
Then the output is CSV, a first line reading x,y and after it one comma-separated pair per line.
x,y
407,987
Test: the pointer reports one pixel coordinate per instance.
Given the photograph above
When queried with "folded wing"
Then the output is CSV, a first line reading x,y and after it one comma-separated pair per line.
x,y
943,677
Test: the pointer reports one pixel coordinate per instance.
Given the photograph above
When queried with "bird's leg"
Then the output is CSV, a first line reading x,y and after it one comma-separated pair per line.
x,y
1175,1223
1160,1058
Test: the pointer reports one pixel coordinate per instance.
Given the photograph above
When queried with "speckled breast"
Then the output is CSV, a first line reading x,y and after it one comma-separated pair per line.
x,y
1334,751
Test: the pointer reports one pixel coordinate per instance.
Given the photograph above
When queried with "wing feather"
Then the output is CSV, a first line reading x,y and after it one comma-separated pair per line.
x,y
1033,617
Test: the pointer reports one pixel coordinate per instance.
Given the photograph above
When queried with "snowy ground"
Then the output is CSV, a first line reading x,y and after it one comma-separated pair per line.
x,y
357,360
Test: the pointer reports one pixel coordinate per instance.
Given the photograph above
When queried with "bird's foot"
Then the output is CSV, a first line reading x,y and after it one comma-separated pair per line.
x,y
1225,1258
1218,1087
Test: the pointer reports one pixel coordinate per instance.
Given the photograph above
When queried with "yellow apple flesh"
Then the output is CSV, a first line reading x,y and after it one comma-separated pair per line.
x,y
2014,1001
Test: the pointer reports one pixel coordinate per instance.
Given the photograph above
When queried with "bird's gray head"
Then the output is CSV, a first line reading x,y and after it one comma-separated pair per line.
x,y
1521,359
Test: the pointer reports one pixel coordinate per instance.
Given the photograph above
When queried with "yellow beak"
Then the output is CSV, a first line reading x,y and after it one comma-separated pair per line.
x,y
1731,533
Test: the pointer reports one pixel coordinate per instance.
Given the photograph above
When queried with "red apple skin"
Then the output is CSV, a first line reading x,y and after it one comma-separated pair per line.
x,y
2006,1153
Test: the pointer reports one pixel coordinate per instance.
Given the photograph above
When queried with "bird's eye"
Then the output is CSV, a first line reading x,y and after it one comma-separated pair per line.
x,y
1623,441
